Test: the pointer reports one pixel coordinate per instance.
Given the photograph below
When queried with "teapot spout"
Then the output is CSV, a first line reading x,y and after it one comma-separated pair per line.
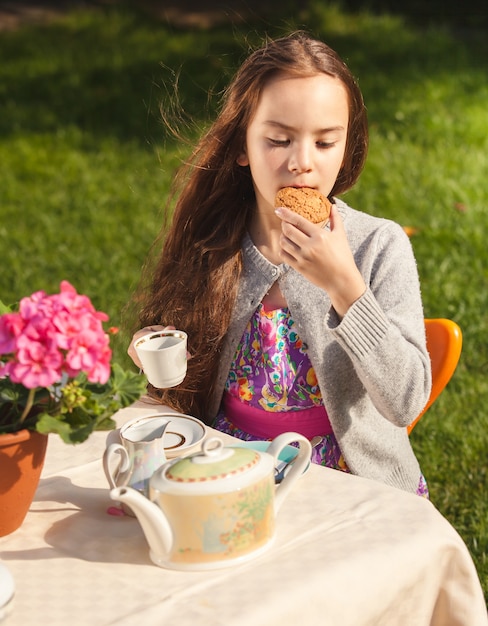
x,y
153,521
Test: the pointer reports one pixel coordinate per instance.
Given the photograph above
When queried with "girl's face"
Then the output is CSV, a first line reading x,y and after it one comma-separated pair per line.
x,y
297,137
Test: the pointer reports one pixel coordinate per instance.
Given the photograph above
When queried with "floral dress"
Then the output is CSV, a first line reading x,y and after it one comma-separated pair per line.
x,y
272,384
271,372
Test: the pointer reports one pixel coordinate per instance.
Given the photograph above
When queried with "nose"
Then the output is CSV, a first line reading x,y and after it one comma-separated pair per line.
x,y
300,160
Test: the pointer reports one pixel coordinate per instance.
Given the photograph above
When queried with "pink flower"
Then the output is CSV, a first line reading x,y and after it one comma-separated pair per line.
x,y
76,303
54,334
66,327
29,307
11,326
101,371
39,329
36,365
89,352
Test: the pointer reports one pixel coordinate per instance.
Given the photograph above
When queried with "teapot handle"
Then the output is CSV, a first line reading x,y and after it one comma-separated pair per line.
x,y
299,465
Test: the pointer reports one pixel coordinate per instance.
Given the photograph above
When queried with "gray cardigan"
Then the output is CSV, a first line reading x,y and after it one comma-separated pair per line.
x,y
372,366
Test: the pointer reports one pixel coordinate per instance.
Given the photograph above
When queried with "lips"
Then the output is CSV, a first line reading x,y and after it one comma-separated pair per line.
x,y
295,186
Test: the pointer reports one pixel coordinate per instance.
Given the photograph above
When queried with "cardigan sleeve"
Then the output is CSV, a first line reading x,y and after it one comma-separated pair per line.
x,y
383,333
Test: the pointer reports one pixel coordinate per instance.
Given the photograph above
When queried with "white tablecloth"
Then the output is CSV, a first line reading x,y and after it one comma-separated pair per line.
x,y
348,551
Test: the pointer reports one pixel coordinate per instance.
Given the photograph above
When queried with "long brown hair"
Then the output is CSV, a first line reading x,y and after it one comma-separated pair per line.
x,y
195,281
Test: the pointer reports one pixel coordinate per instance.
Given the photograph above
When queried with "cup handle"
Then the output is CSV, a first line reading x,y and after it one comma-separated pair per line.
x,y
121,469
298,466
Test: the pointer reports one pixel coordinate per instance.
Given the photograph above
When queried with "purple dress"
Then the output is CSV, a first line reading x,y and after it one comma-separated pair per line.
x,y
272,388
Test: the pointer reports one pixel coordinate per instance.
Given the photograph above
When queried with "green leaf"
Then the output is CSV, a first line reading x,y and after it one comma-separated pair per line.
x,y
68,432
48,424
4,308
74,421
127,386
106,423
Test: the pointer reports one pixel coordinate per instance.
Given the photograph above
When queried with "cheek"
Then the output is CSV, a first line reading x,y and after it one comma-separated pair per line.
x,y
335,163
274,159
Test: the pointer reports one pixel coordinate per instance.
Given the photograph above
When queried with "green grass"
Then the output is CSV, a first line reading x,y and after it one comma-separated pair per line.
x,y
86,167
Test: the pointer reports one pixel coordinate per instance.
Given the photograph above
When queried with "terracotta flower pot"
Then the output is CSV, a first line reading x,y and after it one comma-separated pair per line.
x,y
21,459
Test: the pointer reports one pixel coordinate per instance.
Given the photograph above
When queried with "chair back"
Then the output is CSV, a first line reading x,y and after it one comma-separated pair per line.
x,y
444,344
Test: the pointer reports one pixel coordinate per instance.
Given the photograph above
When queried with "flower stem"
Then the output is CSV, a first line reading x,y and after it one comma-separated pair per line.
x,y
28,405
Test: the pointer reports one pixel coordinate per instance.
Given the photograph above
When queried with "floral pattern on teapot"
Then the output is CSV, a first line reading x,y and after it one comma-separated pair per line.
x,y
227,526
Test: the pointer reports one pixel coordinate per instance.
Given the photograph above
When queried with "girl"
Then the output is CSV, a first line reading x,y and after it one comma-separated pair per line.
x,y
293,326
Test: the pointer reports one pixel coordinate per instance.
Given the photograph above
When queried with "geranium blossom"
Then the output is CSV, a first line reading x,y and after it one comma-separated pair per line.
x,y
89,353
52,335
36,366
11,326
52,350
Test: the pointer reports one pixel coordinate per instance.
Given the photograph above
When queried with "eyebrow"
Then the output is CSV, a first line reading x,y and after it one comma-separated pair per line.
x,y
286,127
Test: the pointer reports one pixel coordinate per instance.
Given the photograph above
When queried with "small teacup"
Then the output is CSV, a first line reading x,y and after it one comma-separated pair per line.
x,y
163,357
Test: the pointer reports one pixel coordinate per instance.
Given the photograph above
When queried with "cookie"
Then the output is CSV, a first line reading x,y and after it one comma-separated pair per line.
x,y
305,201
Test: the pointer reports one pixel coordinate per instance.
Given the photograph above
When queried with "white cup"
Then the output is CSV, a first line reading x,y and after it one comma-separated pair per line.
x,y
163,357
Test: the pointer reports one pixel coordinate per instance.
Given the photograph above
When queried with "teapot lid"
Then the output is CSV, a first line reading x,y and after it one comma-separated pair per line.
x,y
214,463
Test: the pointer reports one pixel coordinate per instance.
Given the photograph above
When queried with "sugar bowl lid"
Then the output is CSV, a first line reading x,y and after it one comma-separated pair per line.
x,y
214,463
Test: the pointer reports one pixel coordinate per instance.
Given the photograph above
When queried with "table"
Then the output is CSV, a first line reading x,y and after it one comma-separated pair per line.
x,y
348,551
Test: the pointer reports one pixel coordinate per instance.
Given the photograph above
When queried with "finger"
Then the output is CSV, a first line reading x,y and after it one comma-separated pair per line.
x,y
147,330
133,355
155,328
335,219
289,248
290,217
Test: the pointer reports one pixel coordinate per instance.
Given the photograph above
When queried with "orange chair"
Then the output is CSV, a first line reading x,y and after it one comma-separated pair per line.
x,y
444,343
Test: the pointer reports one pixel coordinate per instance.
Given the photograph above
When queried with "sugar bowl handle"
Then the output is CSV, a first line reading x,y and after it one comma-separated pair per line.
x,y
298,466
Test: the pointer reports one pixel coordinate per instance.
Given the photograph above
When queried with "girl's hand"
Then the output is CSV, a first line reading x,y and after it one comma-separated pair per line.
x,y
131,351
322,256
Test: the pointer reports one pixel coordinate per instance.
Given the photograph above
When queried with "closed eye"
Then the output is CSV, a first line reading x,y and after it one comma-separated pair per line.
x,y
322,145
279,142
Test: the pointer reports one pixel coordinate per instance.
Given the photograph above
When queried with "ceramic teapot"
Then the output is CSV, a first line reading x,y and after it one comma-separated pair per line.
x,y
215,508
